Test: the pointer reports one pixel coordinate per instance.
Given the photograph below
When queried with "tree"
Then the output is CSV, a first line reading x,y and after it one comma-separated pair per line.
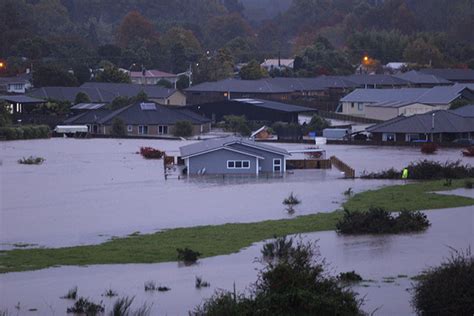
x,y
183,129
81,97
118,127
5,116
237,124
224,28
253,71
178,58
141,96
215,68
82,73
183,82
317,123
119,102
110,52
164,83
423,53
113,74
134,26
53,75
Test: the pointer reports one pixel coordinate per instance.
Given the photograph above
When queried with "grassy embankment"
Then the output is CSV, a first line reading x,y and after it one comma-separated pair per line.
x,y
228,238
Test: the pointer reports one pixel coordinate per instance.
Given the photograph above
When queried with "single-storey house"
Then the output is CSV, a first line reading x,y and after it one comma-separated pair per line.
x,y
436,126
14,84
233,155
144,119
152,77
385,104
20,104
278,63
252,109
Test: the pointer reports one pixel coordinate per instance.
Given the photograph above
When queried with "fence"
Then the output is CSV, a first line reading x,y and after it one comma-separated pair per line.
x,y
339,164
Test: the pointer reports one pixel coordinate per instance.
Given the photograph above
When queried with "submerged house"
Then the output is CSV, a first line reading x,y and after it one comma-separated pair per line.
x,y
233,155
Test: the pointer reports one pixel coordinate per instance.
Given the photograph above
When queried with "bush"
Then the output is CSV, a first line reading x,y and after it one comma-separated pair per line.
x,y
183,129
446,289
118,127
71,294
349,277
429,148
24,132
201,283
151,153
84,306
291,200
31,160
187,255
295,283
469,184
427,170
237,125
121,307
380,221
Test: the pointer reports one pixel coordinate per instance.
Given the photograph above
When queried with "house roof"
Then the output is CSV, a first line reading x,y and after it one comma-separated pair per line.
x,y
88,106
273,105
240,86
466,111
382,80
227,142
417,77
275,62
152,74
445,121
24,99
13,80
451,74
441,95
88,117
130,89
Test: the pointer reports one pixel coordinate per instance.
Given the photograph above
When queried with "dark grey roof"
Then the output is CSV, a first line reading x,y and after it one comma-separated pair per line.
x,y
466,111
12,80
130,89
241,86
380,80
441,95
451,74
416,77
273,105
445,121
24,99
213,144
89,117
88,106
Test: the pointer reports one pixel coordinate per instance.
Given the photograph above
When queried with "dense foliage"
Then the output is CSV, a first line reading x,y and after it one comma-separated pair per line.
x,y
24,132
151,153
380,221
64,39
183,129
293,282
118,127
447,289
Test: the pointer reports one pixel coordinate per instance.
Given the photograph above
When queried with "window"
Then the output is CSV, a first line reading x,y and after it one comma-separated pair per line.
x,y
352,105
129,128
389,137
276,165
238,164
142,129
360,106
162,129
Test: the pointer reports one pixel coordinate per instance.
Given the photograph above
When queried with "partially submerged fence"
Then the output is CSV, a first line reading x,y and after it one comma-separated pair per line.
x,y
308,164
341,165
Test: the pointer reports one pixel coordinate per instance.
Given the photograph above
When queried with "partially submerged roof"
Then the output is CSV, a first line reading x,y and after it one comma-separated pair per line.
x,y
24,99
273,105
445,121
227,142
417,77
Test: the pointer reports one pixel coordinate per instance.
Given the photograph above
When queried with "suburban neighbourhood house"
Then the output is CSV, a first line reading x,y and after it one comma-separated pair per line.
x,y
385,104
252,109
20,104
14,84
278,63
152,77
436,126
453,75
101,92
233,155
140,118
423,80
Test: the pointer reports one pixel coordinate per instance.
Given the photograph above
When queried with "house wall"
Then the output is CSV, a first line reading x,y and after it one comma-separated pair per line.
x,y
176,98
381,113
153,130
216,163
265,165
354,108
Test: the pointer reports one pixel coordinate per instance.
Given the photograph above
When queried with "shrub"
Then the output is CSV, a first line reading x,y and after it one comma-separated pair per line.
x,y
293,284
469,184
448,288
380,221
71,294
84,306
237,125
118,127
151,286
183,129
121,307
31,160
291,200
429,148
187,255
201,283
110,293
151,153
349,277
25,132
279,248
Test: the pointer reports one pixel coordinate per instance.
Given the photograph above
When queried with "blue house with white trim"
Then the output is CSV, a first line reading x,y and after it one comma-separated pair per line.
x,y
233,155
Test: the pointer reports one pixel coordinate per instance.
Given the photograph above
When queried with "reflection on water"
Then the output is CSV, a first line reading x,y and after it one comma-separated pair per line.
x,y
375,258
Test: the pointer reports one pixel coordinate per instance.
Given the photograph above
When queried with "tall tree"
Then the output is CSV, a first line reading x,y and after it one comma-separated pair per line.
x,y
113,74
135,26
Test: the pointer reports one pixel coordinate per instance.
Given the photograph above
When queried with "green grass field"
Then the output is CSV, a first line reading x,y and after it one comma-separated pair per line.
x,y
227,238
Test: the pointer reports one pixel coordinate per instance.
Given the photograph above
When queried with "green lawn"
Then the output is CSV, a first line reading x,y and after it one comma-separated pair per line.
x,y
227,238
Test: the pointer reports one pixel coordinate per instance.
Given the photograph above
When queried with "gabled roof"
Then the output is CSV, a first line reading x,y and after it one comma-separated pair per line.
x,y
24,99
382,80
273,105
227,142
88,106
14,80
416,77
240,86
466,111
130,89
152,74
275,62
88,117
445,121
451,74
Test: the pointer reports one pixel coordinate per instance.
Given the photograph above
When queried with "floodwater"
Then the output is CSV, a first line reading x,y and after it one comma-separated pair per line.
x,y
89,190
387,261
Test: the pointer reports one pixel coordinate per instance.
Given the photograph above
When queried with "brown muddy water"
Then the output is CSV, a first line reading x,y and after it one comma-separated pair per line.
x,y
90,190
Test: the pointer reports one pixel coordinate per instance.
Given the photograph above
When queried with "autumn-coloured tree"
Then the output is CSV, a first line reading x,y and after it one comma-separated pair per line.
x,y
135,26
222,29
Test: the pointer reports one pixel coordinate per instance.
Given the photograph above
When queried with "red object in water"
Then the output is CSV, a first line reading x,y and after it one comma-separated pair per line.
x,y
151,153
429,148
468,152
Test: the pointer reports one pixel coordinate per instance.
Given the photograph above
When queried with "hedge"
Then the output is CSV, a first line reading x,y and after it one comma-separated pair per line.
x,y
24,132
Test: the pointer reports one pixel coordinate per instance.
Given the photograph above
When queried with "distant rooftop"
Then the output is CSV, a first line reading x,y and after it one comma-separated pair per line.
x,y
152,74
456,75
417,77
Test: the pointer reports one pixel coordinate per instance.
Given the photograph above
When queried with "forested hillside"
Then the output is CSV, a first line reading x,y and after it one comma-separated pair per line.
x,y
330,36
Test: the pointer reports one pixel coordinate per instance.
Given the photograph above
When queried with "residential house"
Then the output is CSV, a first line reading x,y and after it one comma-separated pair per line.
x,y
17,84
278,63
20,104
152,77
367,81
252,109
233,155
423,80
436,126
385,104
454,75
140,118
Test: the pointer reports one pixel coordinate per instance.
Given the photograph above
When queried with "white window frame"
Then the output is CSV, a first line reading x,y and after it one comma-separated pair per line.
x,y
141,129
129,128
234,162
385,137
360,106
162,128
279,164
